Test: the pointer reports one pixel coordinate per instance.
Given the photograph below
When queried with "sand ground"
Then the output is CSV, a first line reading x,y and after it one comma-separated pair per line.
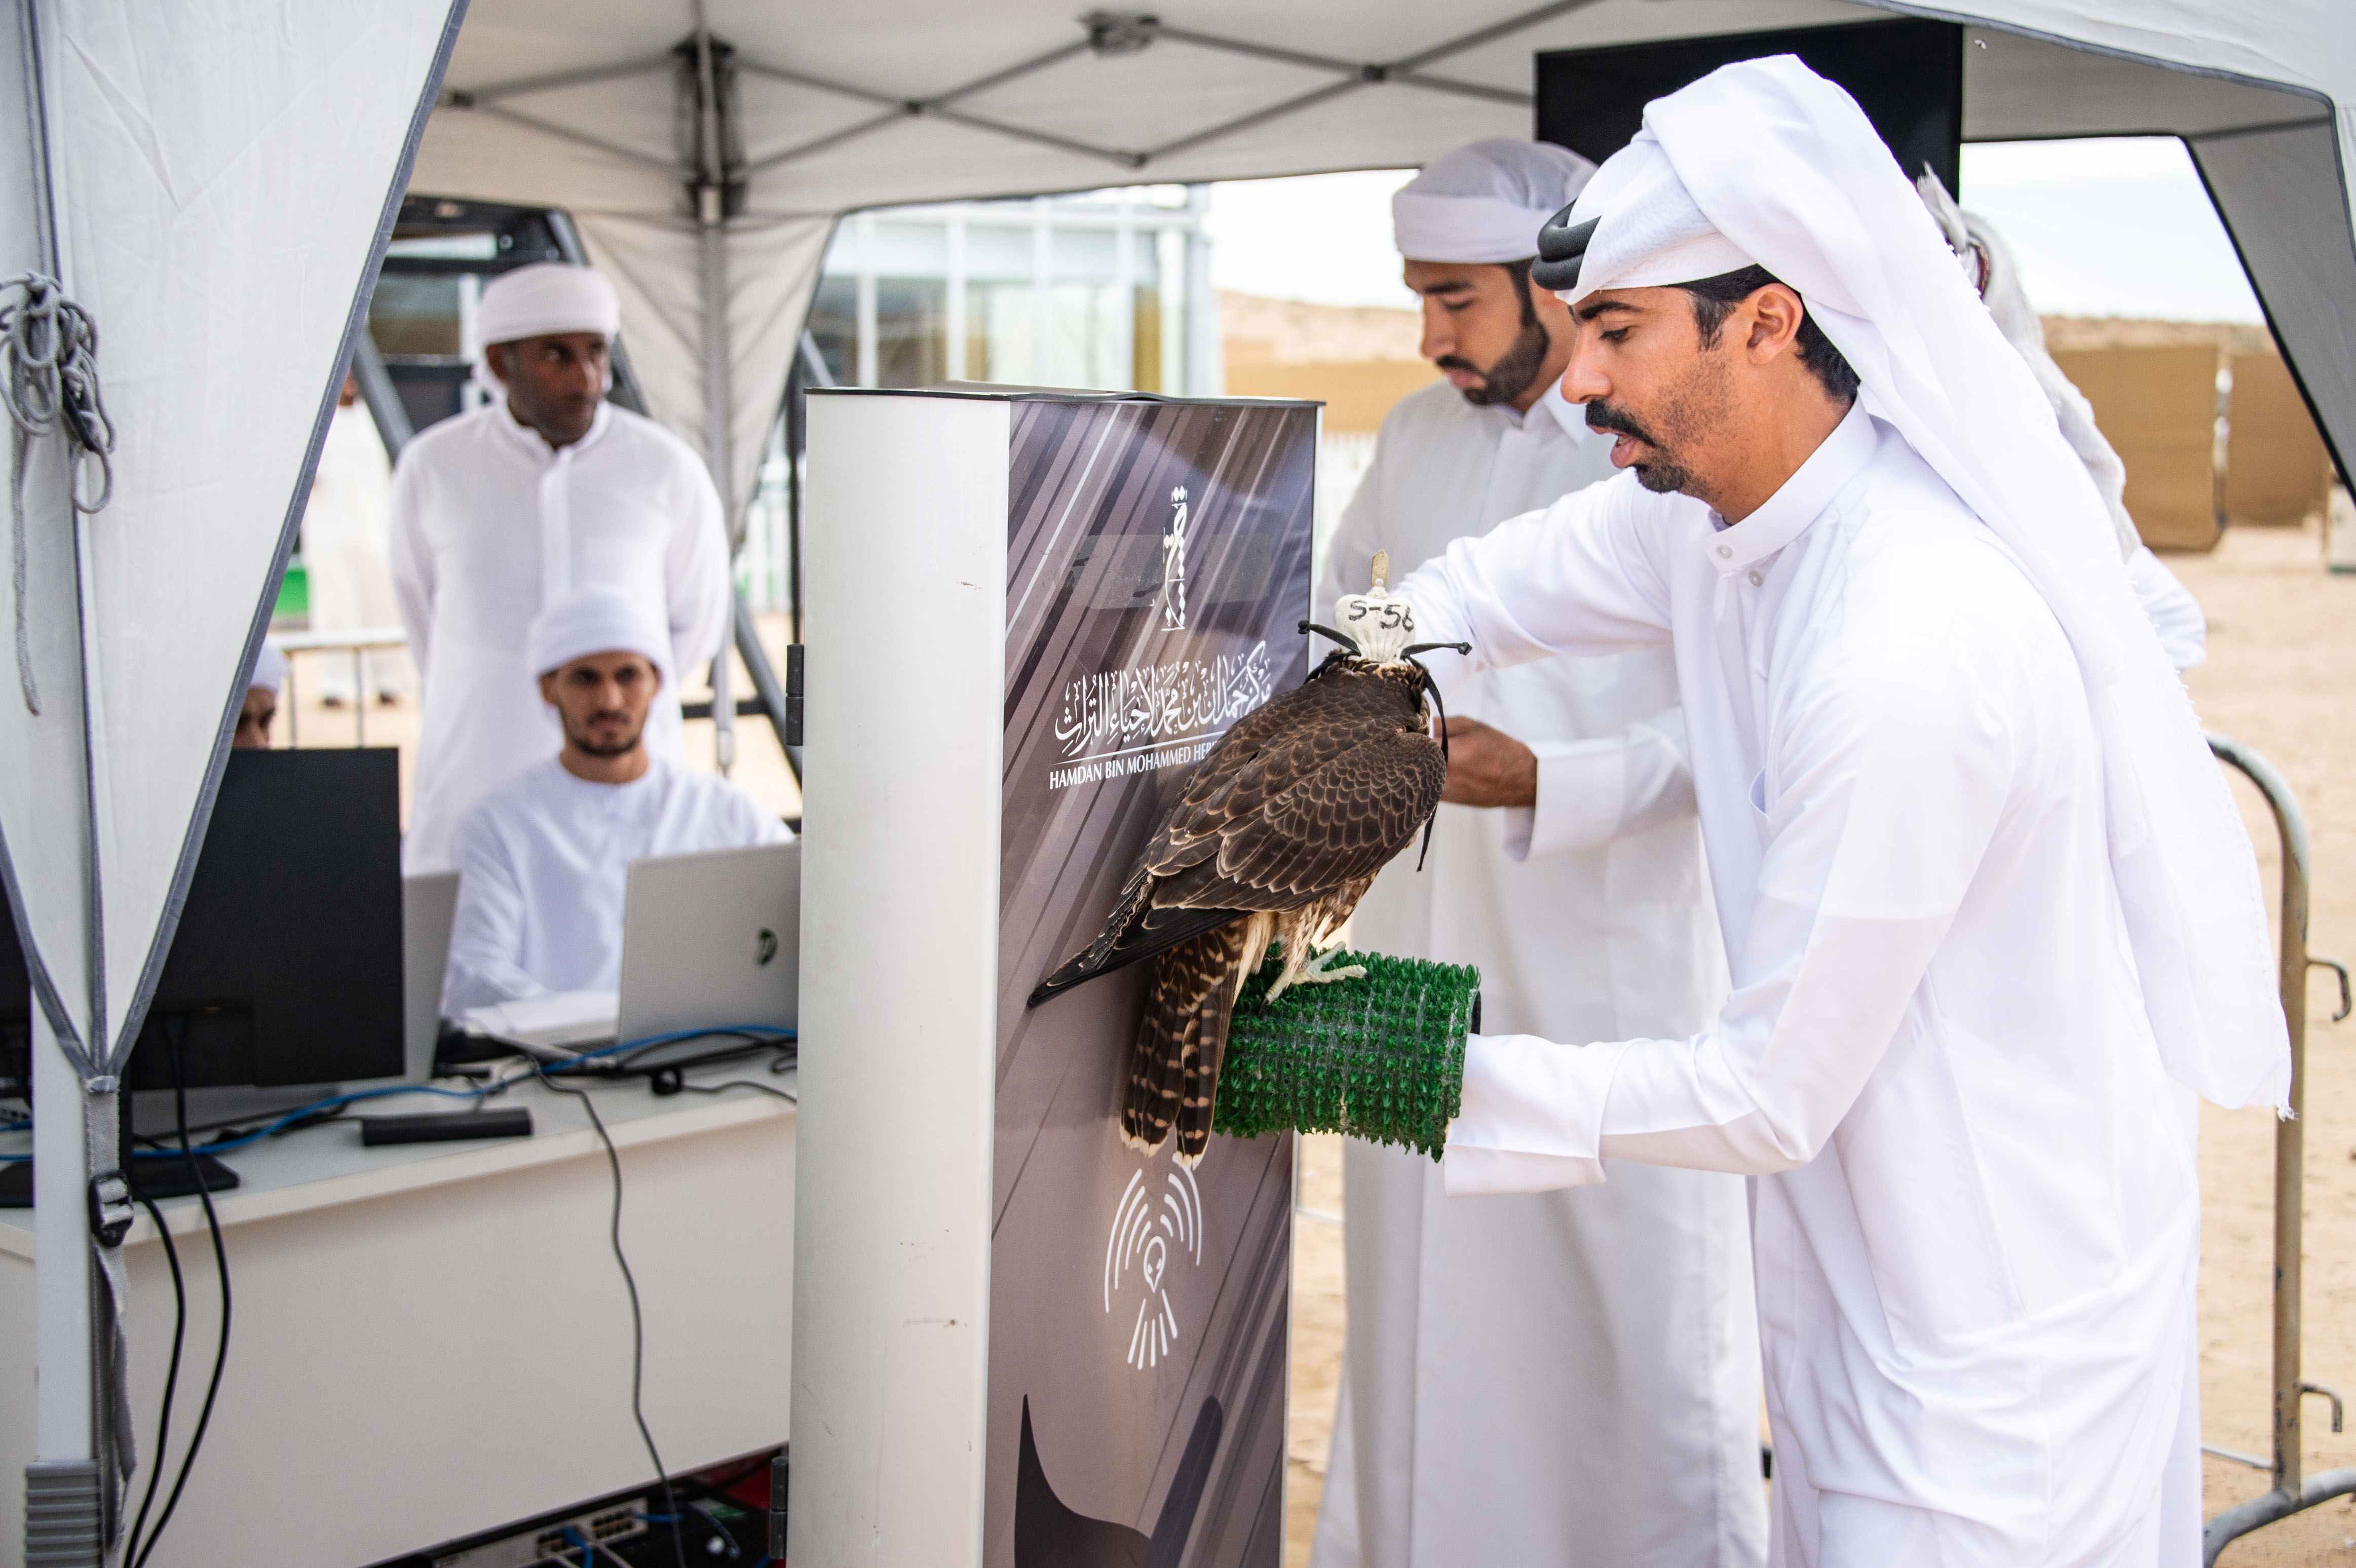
x,y
2281,672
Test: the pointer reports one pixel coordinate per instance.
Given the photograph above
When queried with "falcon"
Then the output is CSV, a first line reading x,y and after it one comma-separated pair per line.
x,y
1278,834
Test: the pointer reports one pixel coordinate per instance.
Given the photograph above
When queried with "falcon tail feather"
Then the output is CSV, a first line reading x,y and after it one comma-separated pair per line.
x,y
1181,1037
1137,941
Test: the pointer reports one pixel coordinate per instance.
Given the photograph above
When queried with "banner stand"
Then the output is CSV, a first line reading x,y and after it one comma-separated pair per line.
x,y
1018,1342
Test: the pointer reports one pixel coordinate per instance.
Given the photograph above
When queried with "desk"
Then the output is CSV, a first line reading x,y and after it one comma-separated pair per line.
x,y
431,1340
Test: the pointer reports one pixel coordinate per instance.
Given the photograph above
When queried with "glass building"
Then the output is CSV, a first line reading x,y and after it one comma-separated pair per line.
x,y
1108,289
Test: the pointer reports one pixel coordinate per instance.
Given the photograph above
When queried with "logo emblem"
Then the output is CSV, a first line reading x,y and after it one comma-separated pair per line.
x,y
764,947
1147,1238
1174,564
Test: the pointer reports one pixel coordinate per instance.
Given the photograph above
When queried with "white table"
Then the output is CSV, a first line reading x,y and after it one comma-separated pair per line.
x,y
431,1340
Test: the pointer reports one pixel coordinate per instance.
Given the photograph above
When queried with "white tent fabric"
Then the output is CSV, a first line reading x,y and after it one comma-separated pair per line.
x,y
898,102
214,177
216,231
204,157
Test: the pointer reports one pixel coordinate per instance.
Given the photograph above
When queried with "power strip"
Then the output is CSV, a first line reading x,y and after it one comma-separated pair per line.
x,y
547,1543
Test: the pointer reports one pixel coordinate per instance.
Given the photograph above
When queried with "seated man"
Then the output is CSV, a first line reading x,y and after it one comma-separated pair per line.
x,y
261,707
544,857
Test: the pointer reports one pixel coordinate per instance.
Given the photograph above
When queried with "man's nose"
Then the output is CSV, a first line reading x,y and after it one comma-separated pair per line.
x,y
1438,331
1582,381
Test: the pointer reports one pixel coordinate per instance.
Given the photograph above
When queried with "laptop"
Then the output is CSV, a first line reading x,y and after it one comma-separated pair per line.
x,y
709,939
429,906
712,940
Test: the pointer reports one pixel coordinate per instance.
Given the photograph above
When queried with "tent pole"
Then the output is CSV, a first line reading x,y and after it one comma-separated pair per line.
x,y
382,398
65,1506
712,219
716,407
65,1512
62,1428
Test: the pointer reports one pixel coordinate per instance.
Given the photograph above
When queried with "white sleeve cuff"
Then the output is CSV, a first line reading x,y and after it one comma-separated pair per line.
x,y
1582,801
1532,1117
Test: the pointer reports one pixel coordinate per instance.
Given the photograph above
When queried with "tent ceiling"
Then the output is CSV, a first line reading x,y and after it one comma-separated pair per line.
x,y
1116,105
925,103
573,103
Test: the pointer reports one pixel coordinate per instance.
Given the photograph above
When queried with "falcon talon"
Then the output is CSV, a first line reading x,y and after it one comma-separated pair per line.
x,y
1317,972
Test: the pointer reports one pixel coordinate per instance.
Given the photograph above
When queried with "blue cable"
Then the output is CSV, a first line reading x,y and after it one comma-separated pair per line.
x,y
771,1035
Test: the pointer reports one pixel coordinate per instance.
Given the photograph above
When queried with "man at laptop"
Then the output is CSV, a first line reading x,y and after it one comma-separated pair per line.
x,y
544,857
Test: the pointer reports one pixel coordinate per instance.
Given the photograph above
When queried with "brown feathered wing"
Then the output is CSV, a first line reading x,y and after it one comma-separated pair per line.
x,y
1279,832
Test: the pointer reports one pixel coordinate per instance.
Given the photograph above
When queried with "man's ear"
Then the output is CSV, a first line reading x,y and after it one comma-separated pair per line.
x,y
548,688
495,356
1775,316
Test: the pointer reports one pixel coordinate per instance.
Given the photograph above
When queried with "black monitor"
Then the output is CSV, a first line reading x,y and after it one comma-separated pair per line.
x,y
287,966
1906,75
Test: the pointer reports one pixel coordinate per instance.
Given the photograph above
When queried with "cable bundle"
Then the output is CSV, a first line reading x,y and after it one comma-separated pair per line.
x,y
1380,1058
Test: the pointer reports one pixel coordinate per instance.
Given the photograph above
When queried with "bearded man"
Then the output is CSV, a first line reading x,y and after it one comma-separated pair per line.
x,y
544,857
1991,914
1542,1377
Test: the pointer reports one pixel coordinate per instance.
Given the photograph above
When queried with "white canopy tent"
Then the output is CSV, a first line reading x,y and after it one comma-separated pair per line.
x,y
597,108
224,174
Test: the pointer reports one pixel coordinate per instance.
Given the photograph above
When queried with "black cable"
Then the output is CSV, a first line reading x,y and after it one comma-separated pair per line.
x,y
671,1078
628,1067
683,1087
638,1316
220,1263
171,1374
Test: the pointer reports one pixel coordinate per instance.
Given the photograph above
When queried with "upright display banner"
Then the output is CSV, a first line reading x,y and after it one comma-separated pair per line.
x,y
1157,568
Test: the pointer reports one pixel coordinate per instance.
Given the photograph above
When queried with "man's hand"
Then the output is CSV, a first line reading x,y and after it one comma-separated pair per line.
x,y
1488,767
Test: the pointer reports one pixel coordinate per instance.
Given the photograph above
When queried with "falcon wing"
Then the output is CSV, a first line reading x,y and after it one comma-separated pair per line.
x,y
1340,819
1312,791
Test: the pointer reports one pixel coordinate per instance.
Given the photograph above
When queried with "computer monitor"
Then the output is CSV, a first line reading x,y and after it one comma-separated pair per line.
x,y
287,966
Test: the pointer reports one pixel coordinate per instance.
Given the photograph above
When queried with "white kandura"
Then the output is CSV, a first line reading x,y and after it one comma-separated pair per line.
x,y
1976,1219
489,527
1510,1361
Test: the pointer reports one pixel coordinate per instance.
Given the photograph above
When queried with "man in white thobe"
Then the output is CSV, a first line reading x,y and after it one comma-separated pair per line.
x,y
1989,910
544,857
347,561
1541,1378
502,511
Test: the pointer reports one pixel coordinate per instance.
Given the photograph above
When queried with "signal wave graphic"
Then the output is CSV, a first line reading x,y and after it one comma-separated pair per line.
x,y
1146,1239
